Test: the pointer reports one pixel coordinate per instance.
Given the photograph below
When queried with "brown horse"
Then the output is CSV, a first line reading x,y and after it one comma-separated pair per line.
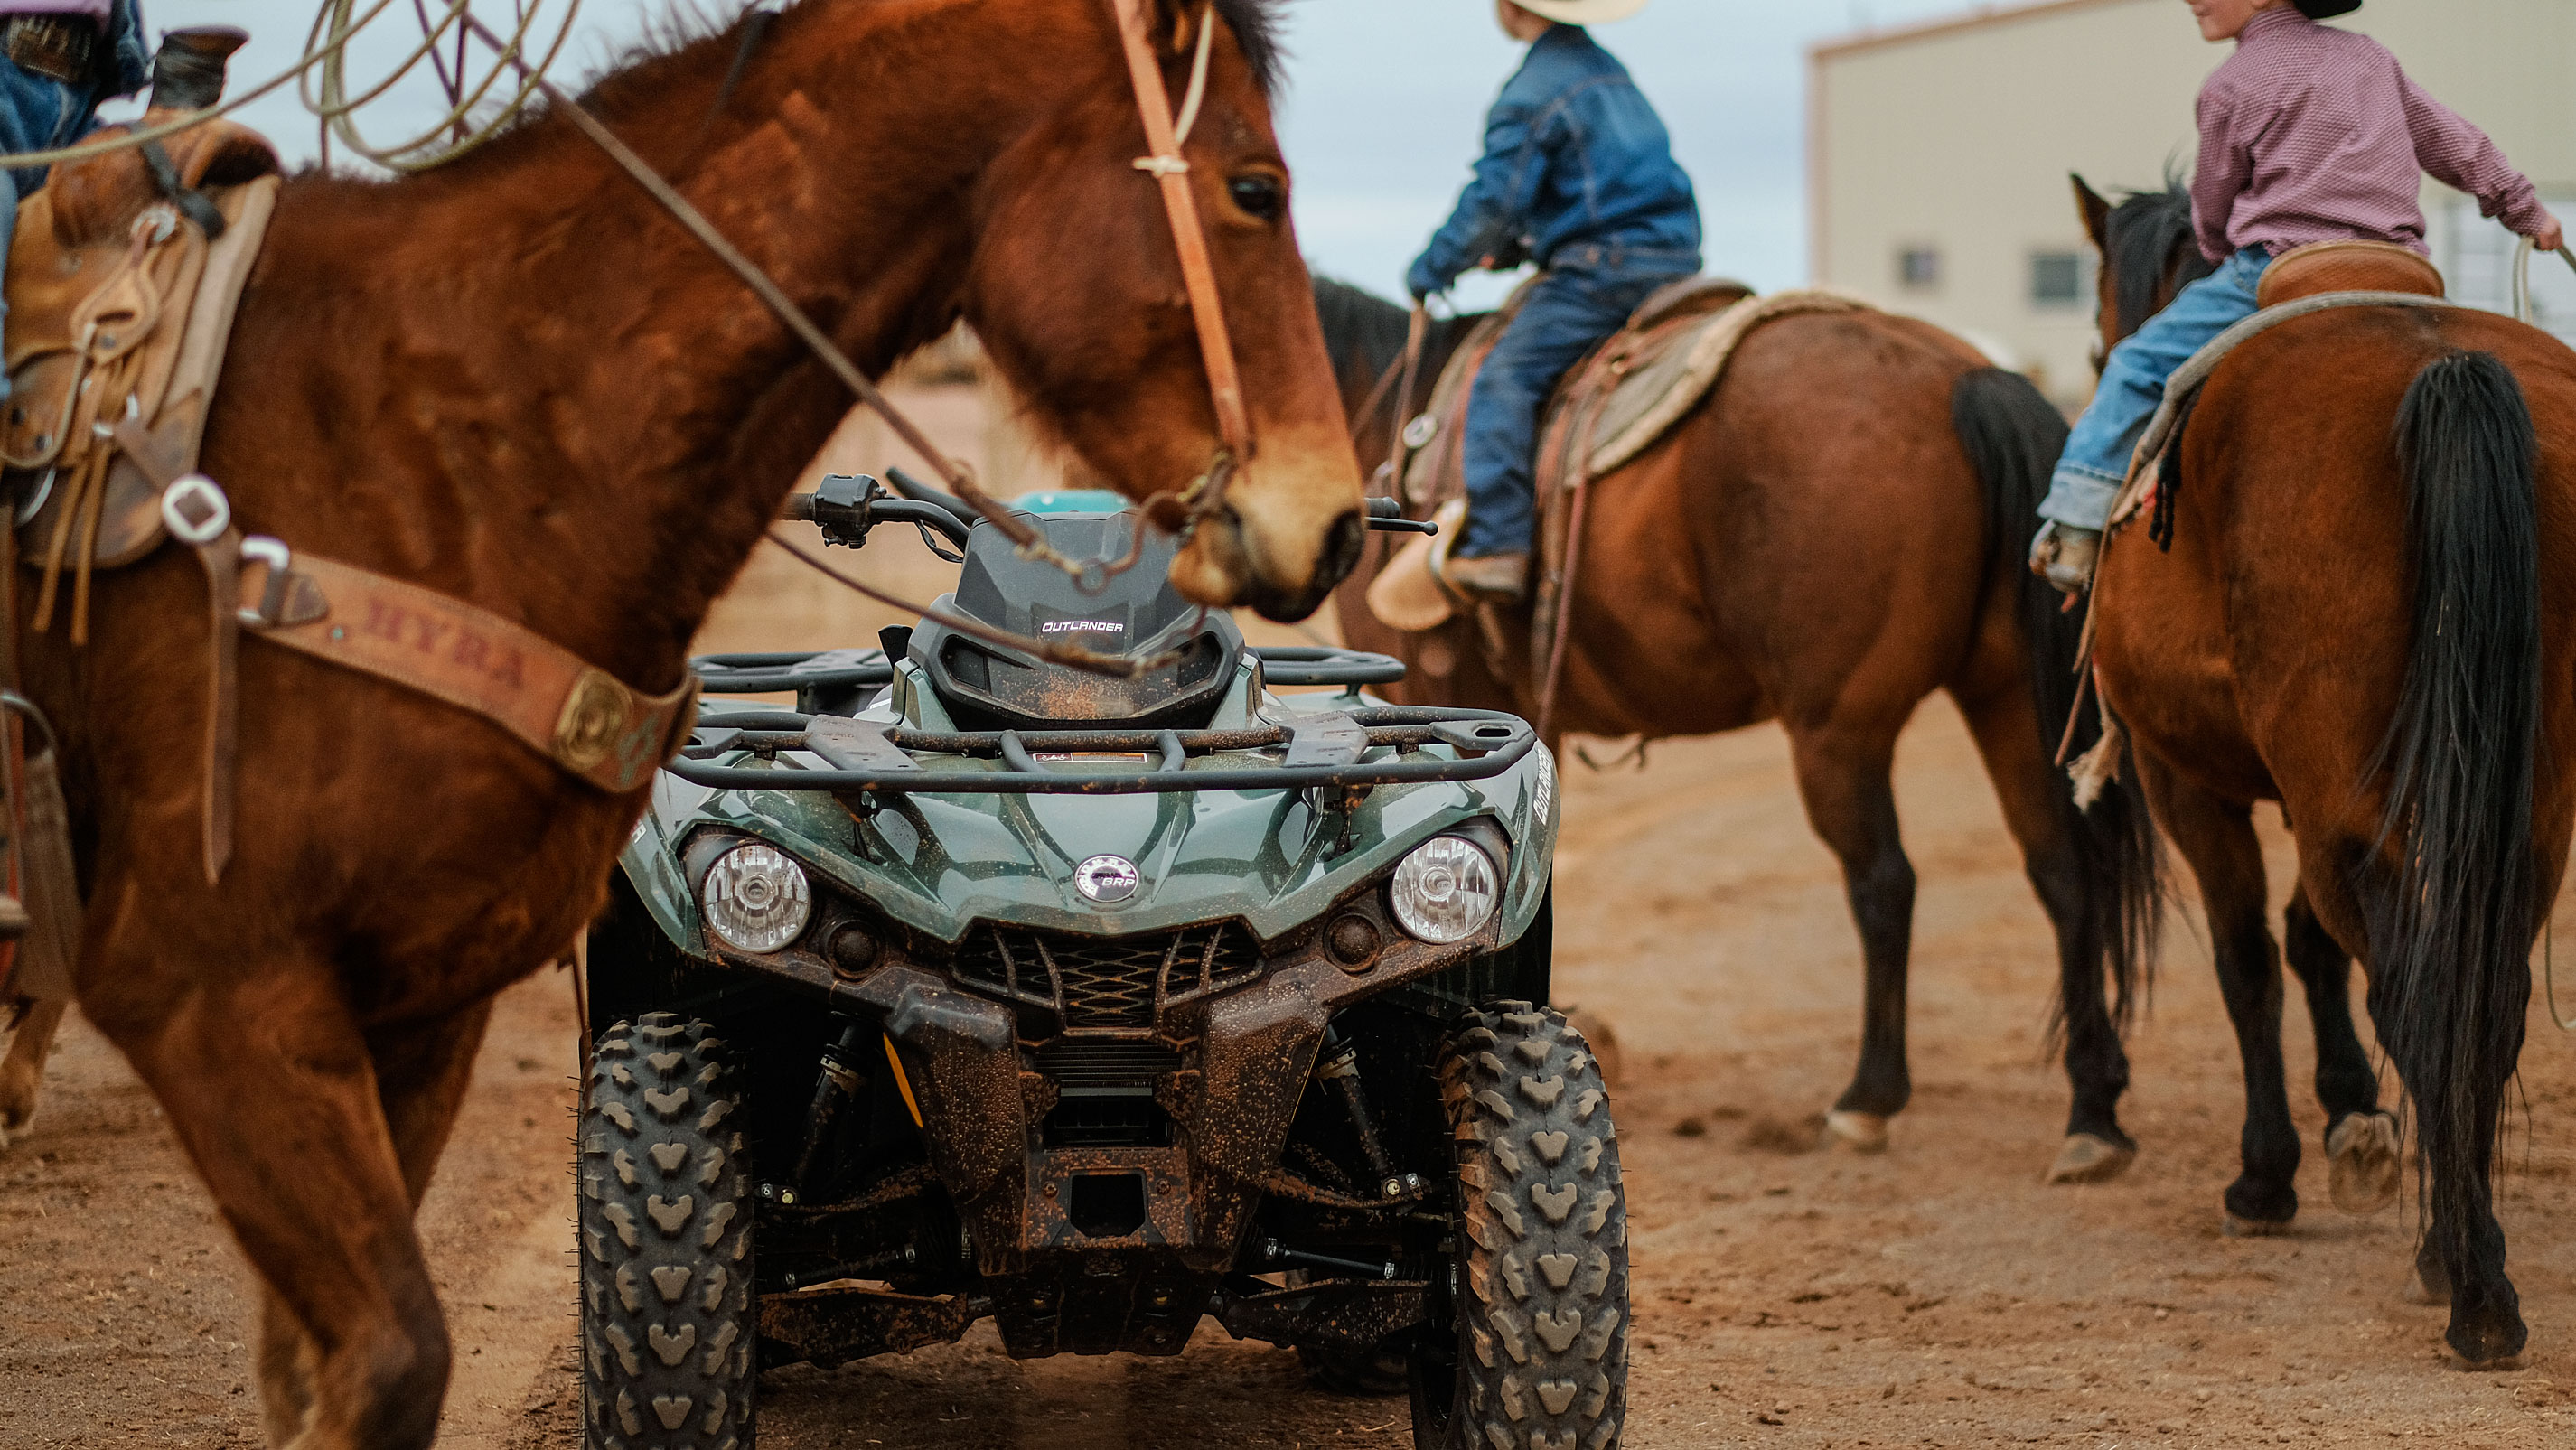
x,y
517,381
2364,611
1831,536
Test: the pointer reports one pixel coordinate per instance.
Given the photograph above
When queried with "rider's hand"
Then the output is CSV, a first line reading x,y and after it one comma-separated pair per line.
x,y
2550,238
1422,281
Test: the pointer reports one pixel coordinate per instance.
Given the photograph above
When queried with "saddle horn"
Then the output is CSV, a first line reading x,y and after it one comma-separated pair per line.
x,y
188,71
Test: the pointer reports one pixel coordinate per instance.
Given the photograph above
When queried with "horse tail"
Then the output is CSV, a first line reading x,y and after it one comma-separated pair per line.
x,y
2455,903
2014,437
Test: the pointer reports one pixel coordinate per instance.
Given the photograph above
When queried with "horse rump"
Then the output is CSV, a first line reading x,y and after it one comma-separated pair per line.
x,y
2448,891
2013,437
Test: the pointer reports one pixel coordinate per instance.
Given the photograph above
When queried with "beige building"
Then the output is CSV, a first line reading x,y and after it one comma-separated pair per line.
x,y
1938,155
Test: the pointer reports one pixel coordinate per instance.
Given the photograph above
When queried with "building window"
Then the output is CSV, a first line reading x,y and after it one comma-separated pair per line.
x,y
2056,279
1918,269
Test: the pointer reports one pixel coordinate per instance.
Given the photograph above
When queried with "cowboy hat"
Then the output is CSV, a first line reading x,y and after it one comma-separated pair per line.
x,y
2326,9
1598,12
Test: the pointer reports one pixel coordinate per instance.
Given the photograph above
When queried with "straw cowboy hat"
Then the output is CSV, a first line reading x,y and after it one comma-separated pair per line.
x,y
1590,12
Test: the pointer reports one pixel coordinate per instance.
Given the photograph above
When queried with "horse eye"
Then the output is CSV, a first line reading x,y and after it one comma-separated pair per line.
x,y
1259,196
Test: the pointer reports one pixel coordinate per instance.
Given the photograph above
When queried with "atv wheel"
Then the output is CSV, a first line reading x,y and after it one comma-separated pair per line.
x,y
667,1319
1534,1351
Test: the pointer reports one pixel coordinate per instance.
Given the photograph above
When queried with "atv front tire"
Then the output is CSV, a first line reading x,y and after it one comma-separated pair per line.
x,y
667,1313
1534,1353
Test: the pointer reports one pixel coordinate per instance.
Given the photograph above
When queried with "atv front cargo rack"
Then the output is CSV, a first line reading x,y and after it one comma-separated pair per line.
x,y
1325,749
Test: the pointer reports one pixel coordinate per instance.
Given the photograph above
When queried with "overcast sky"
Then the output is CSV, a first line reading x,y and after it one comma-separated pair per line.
x,y
1384,111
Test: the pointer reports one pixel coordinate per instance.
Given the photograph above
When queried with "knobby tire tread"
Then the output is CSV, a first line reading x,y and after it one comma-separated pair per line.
x,y
668,1316
1543,1297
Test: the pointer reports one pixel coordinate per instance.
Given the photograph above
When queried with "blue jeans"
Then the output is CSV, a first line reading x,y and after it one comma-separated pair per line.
x,y
37,113
1578,301
2096,461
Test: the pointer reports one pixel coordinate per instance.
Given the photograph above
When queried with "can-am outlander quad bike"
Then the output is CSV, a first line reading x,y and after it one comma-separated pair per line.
x,y
978,987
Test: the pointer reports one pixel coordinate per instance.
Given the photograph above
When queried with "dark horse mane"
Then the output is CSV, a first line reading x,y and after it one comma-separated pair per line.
x,y
2146,231
1365,334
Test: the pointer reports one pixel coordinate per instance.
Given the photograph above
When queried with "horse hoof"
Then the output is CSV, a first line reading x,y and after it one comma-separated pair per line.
x,y
2254,1228
2363,1152
2089,1159
1860,1132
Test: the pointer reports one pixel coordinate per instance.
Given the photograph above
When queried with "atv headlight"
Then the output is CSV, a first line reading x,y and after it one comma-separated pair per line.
x,y
1445,890
756,899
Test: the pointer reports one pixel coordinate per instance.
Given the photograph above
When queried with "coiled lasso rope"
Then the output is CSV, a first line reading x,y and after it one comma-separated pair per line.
x,y
476,107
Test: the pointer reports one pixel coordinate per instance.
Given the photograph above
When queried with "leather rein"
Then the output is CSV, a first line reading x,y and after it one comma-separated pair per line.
x,y
586,721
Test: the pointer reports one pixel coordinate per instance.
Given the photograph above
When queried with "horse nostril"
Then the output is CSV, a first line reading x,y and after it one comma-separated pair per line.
x,y
1342,545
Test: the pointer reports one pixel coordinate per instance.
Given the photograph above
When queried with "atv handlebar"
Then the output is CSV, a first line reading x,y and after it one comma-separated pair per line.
x,y
1324,750
847,504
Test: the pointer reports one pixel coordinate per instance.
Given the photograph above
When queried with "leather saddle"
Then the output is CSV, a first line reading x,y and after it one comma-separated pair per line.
x,y
121,284
2346,266
1620,401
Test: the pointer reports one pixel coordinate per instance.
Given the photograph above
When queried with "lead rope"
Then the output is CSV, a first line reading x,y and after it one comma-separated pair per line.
x,y
2549,974
2523,311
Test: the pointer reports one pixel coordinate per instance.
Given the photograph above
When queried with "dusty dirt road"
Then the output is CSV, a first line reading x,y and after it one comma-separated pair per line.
x,y
1935,1295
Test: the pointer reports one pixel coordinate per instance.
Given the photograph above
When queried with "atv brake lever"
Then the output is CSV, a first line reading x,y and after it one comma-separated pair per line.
x,y
1386,516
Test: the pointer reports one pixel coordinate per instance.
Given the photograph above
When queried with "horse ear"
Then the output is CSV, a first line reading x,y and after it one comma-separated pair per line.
x,y
1173,24
2095,210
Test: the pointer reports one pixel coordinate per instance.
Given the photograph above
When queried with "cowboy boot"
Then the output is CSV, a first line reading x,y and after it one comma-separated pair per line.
x,y
2064,555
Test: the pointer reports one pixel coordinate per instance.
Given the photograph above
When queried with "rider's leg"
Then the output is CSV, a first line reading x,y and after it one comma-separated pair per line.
x,y
2096,461
1565,316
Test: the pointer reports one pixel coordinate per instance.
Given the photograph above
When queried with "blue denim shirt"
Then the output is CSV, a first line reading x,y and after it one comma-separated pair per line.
x,y
1573,155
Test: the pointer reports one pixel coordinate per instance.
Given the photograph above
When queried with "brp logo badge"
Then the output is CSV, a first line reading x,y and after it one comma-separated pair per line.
x,y
1107,879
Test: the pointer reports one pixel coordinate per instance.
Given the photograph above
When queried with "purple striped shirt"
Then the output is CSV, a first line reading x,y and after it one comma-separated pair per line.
x,y
2313,134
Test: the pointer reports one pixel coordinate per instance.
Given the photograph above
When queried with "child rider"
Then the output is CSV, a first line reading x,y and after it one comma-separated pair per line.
x,y
2307,134
1578,173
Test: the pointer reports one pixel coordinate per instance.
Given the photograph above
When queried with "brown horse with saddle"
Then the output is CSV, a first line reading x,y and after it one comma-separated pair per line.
x,y
2353,597
1799,509
512,417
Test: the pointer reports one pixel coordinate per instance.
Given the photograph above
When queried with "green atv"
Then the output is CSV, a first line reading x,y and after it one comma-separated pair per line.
x,y
976,987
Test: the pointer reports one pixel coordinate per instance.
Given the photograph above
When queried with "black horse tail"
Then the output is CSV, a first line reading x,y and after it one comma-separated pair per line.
x,y
2014,437
2449,891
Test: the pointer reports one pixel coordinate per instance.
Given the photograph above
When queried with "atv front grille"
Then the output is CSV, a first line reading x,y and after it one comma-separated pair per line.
x,y
1106,1069
1107,983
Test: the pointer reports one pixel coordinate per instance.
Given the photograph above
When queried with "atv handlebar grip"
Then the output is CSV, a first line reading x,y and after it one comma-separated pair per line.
x,y
797,509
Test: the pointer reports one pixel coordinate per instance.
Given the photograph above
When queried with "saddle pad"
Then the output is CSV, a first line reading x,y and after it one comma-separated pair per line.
x,y
2138,493
2347,266
1655,378
120,306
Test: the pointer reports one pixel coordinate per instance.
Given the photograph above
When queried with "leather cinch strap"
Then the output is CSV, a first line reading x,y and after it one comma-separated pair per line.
x,y
570,711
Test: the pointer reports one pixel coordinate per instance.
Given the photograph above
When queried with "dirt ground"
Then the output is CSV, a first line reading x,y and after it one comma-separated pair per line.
x,y
1933,1295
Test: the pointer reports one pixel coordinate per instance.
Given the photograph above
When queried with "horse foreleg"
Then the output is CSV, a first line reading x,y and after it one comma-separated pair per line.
x,y
2217,837
422,1071
2361,1140
22,1074
1843,777
272,1090
2040,812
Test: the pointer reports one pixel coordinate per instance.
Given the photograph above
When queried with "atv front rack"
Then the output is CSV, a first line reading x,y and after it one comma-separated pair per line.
x,y
1327,750
761,674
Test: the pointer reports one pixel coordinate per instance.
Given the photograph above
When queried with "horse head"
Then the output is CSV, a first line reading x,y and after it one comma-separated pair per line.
x,y
2149,253
1100,339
